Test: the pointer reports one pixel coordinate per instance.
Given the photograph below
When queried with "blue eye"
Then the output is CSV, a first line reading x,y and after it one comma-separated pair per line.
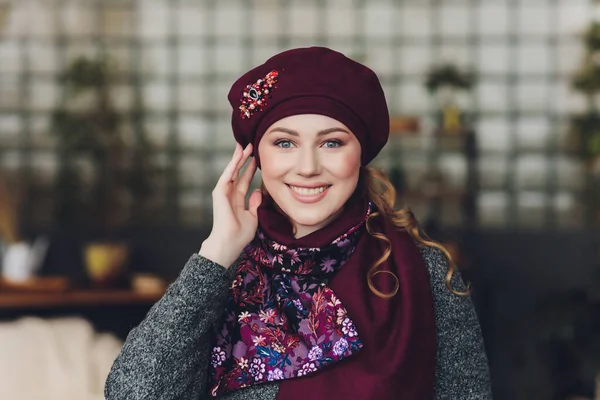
x,y
333,143
284,144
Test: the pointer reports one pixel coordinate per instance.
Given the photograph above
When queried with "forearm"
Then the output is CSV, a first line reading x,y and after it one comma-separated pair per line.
x,y
166,356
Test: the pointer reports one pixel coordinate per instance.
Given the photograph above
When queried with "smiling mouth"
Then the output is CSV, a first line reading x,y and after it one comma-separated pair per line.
x,y
309,191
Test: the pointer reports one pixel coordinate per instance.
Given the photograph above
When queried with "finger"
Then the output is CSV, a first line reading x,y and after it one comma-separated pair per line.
x,y
245,154
254,202
247,175
229,170
243,184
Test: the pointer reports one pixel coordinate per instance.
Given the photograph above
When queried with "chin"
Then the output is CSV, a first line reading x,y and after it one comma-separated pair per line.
x,y
308,216
311,216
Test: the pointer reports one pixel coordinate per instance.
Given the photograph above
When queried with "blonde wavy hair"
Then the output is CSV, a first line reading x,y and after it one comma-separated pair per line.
x,y
375,184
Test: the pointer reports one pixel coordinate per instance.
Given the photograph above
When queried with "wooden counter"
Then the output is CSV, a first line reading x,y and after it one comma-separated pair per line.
x,y
76,298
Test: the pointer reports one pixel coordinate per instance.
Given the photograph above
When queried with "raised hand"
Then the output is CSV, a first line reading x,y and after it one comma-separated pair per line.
x,y
234,226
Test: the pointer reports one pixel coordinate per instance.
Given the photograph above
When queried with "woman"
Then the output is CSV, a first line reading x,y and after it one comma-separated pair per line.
x,y
319,289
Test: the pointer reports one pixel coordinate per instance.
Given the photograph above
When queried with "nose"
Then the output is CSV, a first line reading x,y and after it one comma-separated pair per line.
x,y
308,163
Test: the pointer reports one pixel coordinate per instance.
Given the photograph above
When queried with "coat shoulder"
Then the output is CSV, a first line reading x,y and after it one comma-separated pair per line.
x,y
438,266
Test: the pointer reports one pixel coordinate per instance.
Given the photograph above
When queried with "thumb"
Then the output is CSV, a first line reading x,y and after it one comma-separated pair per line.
x,y
254,201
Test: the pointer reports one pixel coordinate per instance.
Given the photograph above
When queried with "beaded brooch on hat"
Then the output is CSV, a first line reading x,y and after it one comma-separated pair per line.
x,y
256,94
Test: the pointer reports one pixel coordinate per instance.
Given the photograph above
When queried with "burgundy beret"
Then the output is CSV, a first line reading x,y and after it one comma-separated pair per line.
x,y
313,80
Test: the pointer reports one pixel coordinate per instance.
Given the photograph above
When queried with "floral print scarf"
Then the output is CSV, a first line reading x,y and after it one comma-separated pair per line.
x,y
282,320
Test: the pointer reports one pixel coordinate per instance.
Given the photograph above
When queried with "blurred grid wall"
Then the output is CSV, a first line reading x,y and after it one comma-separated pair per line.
x,y
182,56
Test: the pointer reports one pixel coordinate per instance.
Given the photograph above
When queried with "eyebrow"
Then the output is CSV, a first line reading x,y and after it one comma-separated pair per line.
x,y
320,133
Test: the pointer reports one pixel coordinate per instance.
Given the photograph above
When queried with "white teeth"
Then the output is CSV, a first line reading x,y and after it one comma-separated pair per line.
x,y
308,192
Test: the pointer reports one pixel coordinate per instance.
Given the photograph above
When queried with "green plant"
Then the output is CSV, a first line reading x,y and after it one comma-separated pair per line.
x,y
448,75
586,128
587,82
592,36
89,127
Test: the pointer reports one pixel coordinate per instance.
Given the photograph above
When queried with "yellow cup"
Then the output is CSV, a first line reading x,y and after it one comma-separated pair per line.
x,y
105,262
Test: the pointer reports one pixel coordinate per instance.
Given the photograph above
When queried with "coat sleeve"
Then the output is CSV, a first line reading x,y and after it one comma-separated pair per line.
x,y
166,356
462,370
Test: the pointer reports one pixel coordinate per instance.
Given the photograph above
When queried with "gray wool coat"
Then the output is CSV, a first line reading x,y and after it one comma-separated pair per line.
x,y
166,357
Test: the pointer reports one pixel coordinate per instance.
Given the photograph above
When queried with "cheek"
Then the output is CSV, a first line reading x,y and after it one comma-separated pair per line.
x,y
266,164
347,165
268,172
272,164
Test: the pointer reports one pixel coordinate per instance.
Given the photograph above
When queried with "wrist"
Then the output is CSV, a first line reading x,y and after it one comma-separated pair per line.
x,y
213,252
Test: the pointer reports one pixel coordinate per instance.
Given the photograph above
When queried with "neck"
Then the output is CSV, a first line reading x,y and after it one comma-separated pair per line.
x,y
305,230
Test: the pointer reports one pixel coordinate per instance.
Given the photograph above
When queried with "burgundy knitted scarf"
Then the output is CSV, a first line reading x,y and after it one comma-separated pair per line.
x,y
300,312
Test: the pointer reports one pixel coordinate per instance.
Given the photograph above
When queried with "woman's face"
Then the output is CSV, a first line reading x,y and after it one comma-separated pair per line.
x,y
310,166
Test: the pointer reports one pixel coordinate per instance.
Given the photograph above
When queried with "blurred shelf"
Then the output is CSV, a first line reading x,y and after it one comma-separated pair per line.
x,y
76,298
